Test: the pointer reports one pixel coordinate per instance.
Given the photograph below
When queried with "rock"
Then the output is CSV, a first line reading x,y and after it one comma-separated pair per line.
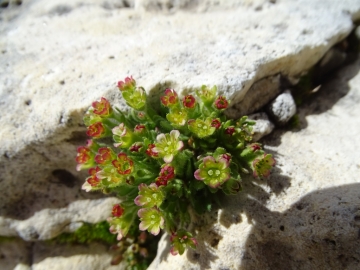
x,y
260,93
15,254
332,60
306,214
49,223
57,257
262,127
282,108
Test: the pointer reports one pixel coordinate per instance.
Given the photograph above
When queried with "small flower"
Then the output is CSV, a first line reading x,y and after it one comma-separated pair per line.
x,y
226,156
230,131
161,181
139,129
150,151
120,222
221,103
170,99
123,164
96,130
117,210
102,107
167,172
216,123
105,155
136,99
151,220
262,166
84,158
136,147
129,84
168,145
189,101
110,175
213,172
92,181
177,118
122,136
83,155
255,147
180,240
201,128
231,187
149,196
207,95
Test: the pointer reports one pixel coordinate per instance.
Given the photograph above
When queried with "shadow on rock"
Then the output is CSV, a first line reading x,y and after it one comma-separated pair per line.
x,y
320,231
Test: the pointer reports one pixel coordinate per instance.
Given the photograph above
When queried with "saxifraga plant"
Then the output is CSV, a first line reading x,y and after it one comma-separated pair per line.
x,y
160,165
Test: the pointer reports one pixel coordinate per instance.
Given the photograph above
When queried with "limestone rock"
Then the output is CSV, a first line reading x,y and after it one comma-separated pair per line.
x,y
57,257
49,223
259,94
262,127
306,214
282,108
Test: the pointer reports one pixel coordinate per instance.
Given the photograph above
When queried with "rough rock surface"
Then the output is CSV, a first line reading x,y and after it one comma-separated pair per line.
x,y
282,108
262,127
307,214
58,56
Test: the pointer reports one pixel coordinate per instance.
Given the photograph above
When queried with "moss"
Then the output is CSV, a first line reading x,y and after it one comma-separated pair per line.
x,y
4,239
88,233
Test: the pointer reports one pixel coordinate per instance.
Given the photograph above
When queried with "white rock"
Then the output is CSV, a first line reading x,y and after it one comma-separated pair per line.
x,y
58,257
282,108
49,223
262,127
306,215
259,94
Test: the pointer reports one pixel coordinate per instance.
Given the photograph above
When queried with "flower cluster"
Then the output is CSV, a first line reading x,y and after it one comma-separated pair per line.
x,y
160,164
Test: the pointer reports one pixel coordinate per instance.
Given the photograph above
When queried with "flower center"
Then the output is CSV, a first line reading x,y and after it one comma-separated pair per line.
x,y
217,172
210,172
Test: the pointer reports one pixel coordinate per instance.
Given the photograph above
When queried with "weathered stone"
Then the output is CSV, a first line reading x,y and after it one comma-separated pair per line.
x,y
306,215
332,60
58,257
15,254
282,108
262,127
260,93
49,223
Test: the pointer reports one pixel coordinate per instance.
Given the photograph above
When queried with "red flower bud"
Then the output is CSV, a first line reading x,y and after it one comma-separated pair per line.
x,y
101,107
123,164
83,155
150,152
216,123
104,155
96,130
189,101
230,131
117,210
170,98
127,85
221,103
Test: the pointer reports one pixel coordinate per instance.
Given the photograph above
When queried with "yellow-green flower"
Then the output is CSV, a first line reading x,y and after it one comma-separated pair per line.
x,y
151,220
213,172
149,196
201,128
168,145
